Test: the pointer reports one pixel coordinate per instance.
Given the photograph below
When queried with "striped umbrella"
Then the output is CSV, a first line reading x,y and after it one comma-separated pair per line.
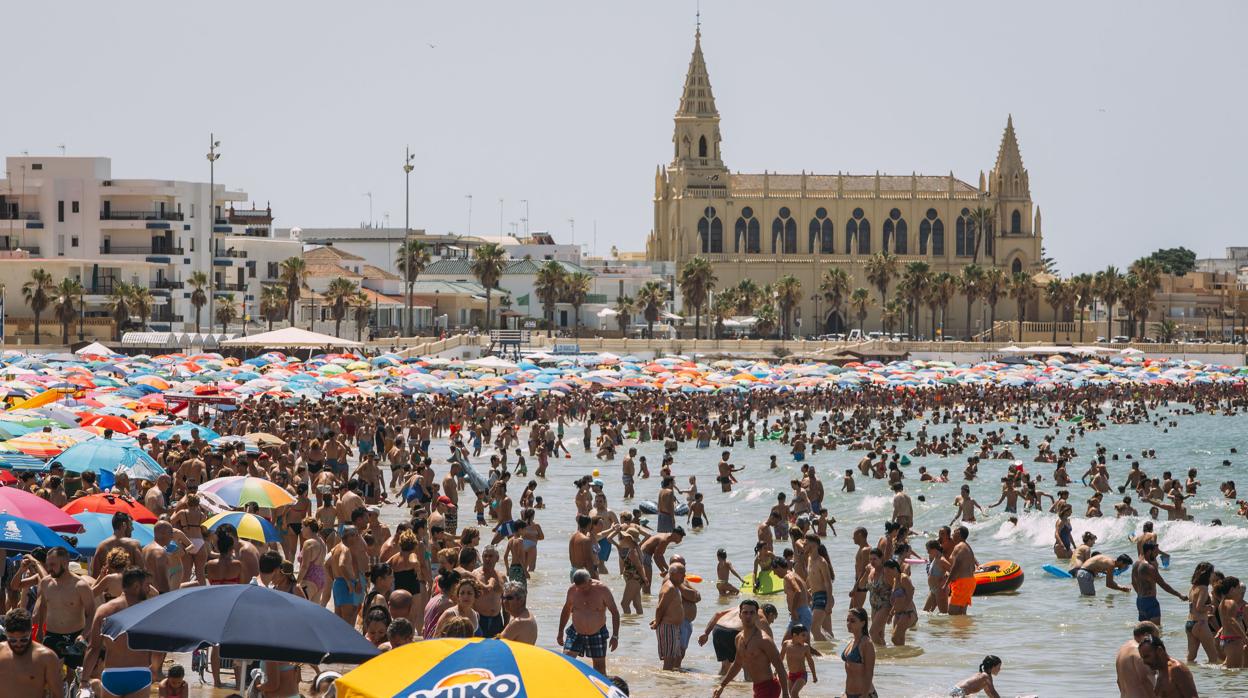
x,y
237,490
474,667
109,421
41,444
249,526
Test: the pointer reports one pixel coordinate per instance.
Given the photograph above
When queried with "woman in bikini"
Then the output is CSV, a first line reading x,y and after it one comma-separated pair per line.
x,y
532,534
1199,612
879,593
905,615
859,657
188,517
312,576
293,517
225,569
108,586
1230,613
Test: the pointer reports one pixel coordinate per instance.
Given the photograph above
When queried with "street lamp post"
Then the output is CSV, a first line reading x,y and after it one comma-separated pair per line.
x,y
818,319
213,155
407,232
526,216
469,197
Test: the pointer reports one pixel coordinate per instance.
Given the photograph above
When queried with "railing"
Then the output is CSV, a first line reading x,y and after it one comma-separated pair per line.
x,y
33,250
101,287
139,249
231,287
19,216
168,283
237,254
116,215
165,318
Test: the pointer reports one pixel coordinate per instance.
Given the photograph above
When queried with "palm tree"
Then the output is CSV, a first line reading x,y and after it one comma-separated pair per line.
x,y
413,257
1148,272
119,307
225,312
360,305
1167,330
141,301
489,261
993,286
199,298
1023,290
788,290
913,288
944,287
294,277
38,295
338,294
623,313
272,304
697,280
765,320
723,307
834,286
971,286
881,268
576,290
1109,288
981,225
1085,292
650,299
860,300
1056,293
64,308
749,295
548,286
893,312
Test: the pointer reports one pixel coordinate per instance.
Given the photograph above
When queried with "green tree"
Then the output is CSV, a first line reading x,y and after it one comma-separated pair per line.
x,y
891,315
272,304
141,302
722,309
548,285
119,307
199,297
981,226
697,280
360,307
944,288
1084,289
1175,260
913,289
650,300
834,287
66,296
293,273
860,301
881,269
765,320
1109,289
338,296
414,257
1023,291
971,285
788,290
226,312
1056,294
38,295
992,287
488,262
624,310
576,290
749,295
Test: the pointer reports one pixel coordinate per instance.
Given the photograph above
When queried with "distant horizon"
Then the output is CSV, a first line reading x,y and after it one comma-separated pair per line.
x,y
1124,117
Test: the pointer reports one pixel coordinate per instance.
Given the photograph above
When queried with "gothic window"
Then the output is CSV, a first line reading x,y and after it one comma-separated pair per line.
x,y
784,233
902,244
938,238
821,230
704,234
851,233
862,232
746,232
963,235
925,234
887,233
711,232
702,147
1016,222
1017,266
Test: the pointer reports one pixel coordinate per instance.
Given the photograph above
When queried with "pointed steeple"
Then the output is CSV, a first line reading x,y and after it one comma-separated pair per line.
x,y
697,99
1008,179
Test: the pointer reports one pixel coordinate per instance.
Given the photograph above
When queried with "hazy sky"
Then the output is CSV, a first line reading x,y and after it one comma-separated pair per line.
x,y
1130,115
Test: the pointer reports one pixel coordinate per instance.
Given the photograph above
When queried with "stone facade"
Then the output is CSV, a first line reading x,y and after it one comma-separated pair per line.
x,y
764,226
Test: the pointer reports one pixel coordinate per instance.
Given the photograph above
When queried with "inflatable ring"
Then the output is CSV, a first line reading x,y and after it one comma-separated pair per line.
x,y
997,576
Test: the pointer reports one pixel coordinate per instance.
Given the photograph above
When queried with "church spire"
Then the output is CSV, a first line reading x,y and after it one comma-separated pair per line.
x,y
697,99
1009,178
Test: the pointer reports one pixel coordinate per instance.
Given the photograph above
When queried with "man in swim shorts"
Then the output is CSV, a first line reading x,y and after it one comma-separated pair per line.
x,y
127,673
961,573
1145,579
587,604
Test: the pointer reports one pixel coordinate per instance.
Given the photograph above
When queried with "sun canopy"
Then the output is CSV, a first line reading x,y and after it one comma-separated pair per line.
x,y
95,349
290,337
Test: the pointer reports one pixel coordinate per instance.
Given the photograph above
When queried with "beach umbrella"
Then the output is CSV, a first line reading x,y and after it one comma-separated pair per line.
x,y
16,460
249,526
263,438
183,431
17,533
96,528
23,504
227,441
473,667
108,421
112,456
247,621
237,490
110,504
40,444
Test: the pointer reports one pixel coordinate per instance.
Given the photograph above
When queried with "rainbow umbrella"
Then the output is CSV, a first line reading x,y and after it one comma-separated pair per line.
x,y
474,667
237,490
40,444
249,526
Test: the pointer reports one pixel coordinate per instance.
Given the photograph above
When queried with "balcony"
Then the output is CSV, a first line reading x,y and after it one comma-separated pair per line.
x,y
19,216
230,287
12,246
232,253
168,284
102,286
141,249
116,215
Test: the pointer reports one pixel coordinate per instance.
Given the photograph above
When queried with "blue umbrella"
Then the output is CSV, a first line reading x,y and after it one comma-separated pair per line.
x,y
97,527
25,535
183,431
110,456
16,460
246,621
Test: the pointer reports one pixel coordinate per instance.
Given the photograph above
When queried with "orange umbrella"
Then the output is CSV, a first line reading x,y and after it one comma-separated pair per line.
x,y
118,424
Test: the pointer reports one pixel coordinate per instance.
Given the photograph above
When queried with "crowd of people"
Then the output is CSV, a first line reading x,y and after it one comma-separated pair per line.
x,y
447,572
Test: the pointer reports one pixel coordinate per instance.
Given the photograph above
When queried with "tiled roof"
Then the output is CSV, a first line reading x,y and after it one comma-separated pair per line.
x,y
372,272
329,253
315,269
381,298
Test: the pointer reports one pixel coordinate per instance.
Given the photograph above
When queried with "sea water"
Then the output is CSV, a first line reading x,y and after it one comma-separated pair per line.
x,y
1053,642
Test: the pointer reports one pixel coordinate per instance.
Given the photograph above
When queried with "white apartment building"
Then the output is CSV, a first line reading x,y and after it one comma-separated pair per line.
x,y
69,215
379,247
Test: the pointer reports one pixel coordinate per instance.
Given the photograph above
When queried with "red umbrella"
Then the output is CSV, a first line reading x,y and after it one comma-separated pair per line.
x,y
110,504
23,504
120,425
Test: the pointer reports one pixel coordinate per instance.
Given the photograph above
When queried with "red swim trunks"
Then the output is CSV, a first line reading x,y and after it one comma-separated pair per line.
x,y
767,689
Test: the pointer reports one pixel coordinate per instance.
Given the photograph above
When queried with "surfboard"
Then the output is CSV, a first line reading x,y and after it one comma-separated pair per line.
x,y
479,484
649,507
768,584
1057,571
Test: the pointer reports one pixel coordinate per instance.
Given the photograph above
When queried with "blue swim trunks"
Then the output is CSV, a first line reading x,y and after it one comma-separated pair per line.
x,y
604,550
123,681
344,596
804,616
1147,607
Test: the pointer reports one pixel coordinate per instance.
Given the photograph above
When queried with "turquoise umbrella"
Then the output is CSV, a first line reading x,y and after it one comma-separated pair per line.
x,y
110,456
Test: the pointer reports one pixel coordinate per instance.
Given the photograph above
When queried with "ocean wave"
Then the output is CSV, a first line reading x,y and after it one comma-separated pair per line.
x,y
1113,533
872,503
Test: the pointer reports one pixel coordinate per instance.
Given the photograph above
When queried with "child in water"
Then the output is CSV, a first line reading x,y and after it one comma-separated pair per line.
x,y
722,569
981,681
697,513
798,656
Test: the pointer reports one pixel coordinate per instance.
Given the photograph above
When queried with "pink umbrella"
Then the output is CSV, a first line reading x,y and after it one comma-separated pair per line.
x,y
25,505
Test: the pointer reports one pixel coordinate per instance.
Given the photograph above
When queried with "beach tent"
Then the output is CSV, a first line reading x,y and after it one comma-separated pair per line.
x,y
95,349
290,337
